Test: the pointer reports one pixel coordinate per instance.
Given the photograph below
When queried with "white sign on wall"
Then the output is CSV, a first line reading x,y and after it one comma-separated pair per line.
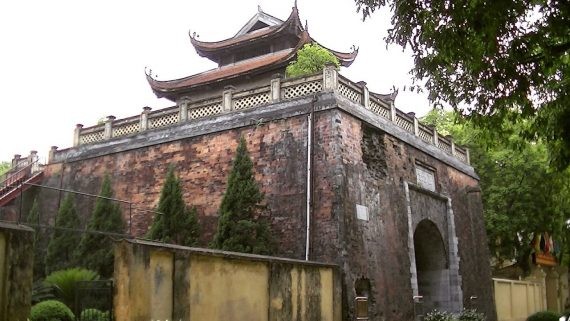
x,y
362,212
426,178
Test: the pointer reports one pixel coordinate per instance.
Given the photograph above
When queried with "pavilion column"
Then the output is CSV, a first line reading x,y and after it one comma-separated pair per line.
x,y
276,88
183,109
365,94
227,98
77,134
452,143
435,137
144,118
392,112
330,78
108,133
16,160
51,155
416,123
467,156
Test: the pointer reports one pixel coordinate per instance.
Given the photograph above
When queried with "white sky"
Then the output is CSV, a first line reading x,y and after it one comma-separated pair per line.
x,y
69,62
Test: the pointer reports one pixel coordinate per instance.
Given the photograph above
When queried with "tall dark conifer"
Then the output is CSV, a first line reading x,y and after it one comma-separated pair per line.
x,y
95,251
63,242
175,222
240,228
33,218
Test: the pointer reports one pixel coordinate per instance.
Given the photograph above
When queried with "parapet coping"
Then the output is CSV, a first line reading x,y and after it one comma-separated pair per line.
x,y
256,116
17,227
227,254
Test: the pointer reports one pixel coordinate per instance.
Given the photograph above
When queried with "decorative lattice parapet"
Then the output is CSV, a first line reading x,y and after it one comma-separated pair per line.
x,y
163,117
348,89
301,87
251,98
405,121
278,89
126,126
205,108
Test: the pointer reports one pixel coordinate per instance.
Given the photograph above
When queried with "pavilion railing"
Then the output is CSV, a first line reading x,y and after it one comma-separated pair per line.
x,y
278,90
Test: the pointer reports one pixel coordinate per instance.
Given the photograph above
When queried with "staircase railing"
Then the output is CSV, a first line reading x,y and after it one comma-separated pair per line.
x,y
13,178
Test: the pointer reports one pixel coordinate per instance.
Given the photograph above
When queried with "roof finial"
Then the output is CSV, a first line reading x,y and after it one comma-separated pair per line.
x,y
295,4
306,25
259,8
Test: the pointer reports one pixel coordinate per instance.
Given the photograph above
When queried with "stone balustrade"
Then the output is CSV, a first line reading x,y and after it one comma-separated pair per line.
x,y
278,90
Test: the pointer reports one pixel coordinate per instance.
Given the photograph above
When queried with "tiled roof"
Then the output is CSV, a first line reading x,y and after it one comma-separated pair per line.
x,y
162,88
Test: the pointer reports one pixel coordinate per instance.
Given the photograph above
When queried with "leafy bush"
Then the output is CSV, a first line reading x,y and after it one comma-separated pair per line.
x,y
543,316
94,315
51,310
437,315
42,292
65,283
471,315
311,58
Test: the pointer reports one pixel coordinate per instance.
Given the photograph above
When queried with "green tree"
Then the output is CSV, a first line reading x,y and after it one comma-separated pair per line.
x,y
175,222
506,60
311,58
4,167
95,251
240,228
521,194
33,218
63,242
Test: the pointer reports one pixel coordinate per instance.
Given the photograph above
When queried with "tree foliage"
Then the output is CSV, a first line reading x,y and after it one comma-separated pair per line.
x,y
95,251
63,242
4,167
506,60
175,222
521,194
311,58
240,227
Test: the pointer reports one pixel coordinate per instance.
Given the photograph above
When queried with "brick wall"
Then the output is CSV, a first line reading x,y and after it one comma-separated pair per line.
x,y
354,163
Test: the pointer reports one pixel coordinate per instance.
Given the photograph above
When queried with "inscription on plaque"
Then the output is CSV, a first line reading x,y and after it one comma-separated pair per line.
x,y
426,178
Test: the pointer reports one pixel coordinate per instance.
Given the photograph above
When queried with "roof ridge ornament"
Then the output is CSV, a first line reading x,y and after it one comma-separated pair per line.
x,y
259,9
306,25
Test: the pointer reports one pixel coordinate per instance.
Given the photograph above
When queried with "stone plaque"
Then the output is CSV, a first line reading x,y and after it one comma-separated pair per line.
x,y
426,178
362,212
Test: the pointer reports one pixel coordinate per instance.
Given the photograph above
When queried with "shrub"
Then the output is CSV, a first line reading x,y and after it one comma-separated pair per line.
x,y
94,315
437,315
543,316
65,283
51,310
471,315
311,58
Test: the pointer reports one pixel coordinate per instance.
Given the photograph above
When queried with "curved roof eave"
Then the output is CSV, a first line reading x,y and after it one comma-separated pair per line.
x,y
204,47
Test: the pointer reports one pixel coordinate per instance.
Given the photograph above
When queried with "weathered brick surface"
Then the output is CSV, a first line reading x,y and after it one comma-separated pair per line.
x,y
353,164
374,167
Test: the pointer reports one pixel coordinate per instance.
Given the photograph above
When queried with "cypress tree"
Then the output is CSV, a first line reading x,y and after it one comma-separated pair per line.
x,y
239,228
95,251
39,238
63,242
176,223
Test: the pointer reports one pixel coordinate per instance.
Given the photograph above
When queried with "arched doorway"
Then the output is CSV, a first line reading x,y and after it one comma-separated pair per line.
x,y
432,267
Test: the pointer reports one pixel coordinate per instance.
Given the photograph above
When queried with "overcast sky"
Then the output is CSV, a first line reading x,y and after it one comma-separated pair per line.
x,y
69,62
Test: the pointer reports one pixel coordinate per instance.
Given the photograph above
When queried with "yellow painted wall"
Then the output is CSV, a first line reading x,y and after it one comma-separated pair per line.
x,y
160,272
228,290
155,282
516,300
2,273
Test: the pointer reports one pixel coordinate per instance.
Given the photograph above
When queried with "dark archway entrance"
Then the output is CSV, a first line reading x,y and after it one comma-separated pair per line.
x,y
432,267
